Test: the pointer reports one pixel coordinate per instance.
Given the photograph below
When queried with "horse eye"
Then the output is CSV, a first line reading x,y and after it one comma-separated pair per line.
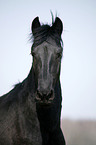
x,y
58,55
33,54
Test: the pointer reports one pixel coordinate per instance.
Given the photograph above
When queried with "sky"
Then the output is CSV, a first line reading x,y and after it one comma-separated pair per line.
x,y
78,69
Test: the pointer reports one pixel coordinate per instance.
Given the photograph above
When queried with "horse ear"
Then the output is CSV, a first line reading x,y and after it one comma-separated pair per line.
x,y
35,24
58,26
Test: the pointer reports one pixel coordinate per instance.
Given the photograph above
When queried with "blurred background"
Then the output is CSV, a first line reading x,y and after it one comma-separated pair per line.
x,y
78,71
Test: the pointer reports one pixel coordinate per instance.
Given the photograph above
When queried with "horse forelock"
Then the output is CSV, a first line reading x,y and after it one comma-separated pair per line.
x,y
44,32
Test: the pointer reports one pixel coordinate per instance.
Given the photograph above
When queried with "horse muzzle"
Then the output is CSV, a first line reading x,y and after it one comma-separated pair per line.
x,y
44,97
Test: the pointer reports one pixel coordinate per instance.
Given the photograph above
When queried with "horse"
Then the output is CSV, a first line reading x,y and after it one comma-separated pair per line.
x,y
30,114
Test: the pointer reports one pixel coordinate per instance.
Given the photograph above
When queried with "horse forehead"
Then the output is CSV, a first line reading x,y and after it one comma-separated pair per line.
x,y
46,49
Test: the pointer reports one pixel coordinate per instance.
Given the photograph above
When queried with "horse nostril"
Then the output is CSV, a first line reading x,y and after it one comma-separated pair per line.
x,y
50,96
39,93
50,93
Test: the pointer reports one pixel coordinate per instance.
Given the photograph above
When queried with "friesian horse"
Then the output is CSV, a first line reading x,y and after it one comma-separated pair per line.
x,y
30,113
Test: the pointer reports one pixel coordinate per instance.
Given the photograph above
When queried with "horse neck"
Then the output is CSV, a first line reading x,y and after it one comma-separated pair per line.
x,y
31,81
57,90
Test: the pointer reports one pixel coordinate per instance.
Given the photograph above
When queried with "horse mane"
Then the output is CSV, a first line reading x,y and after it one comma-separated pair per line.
x,y
43,32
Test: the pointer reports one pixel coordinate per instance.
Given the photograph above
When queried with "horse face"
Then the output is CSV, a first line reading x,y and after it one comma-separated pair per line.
x,y
46,65
47,52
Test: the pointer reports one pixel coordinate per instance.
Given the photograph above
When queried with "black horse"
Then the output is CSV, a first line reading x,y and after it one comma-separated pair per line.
x,y
38,97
